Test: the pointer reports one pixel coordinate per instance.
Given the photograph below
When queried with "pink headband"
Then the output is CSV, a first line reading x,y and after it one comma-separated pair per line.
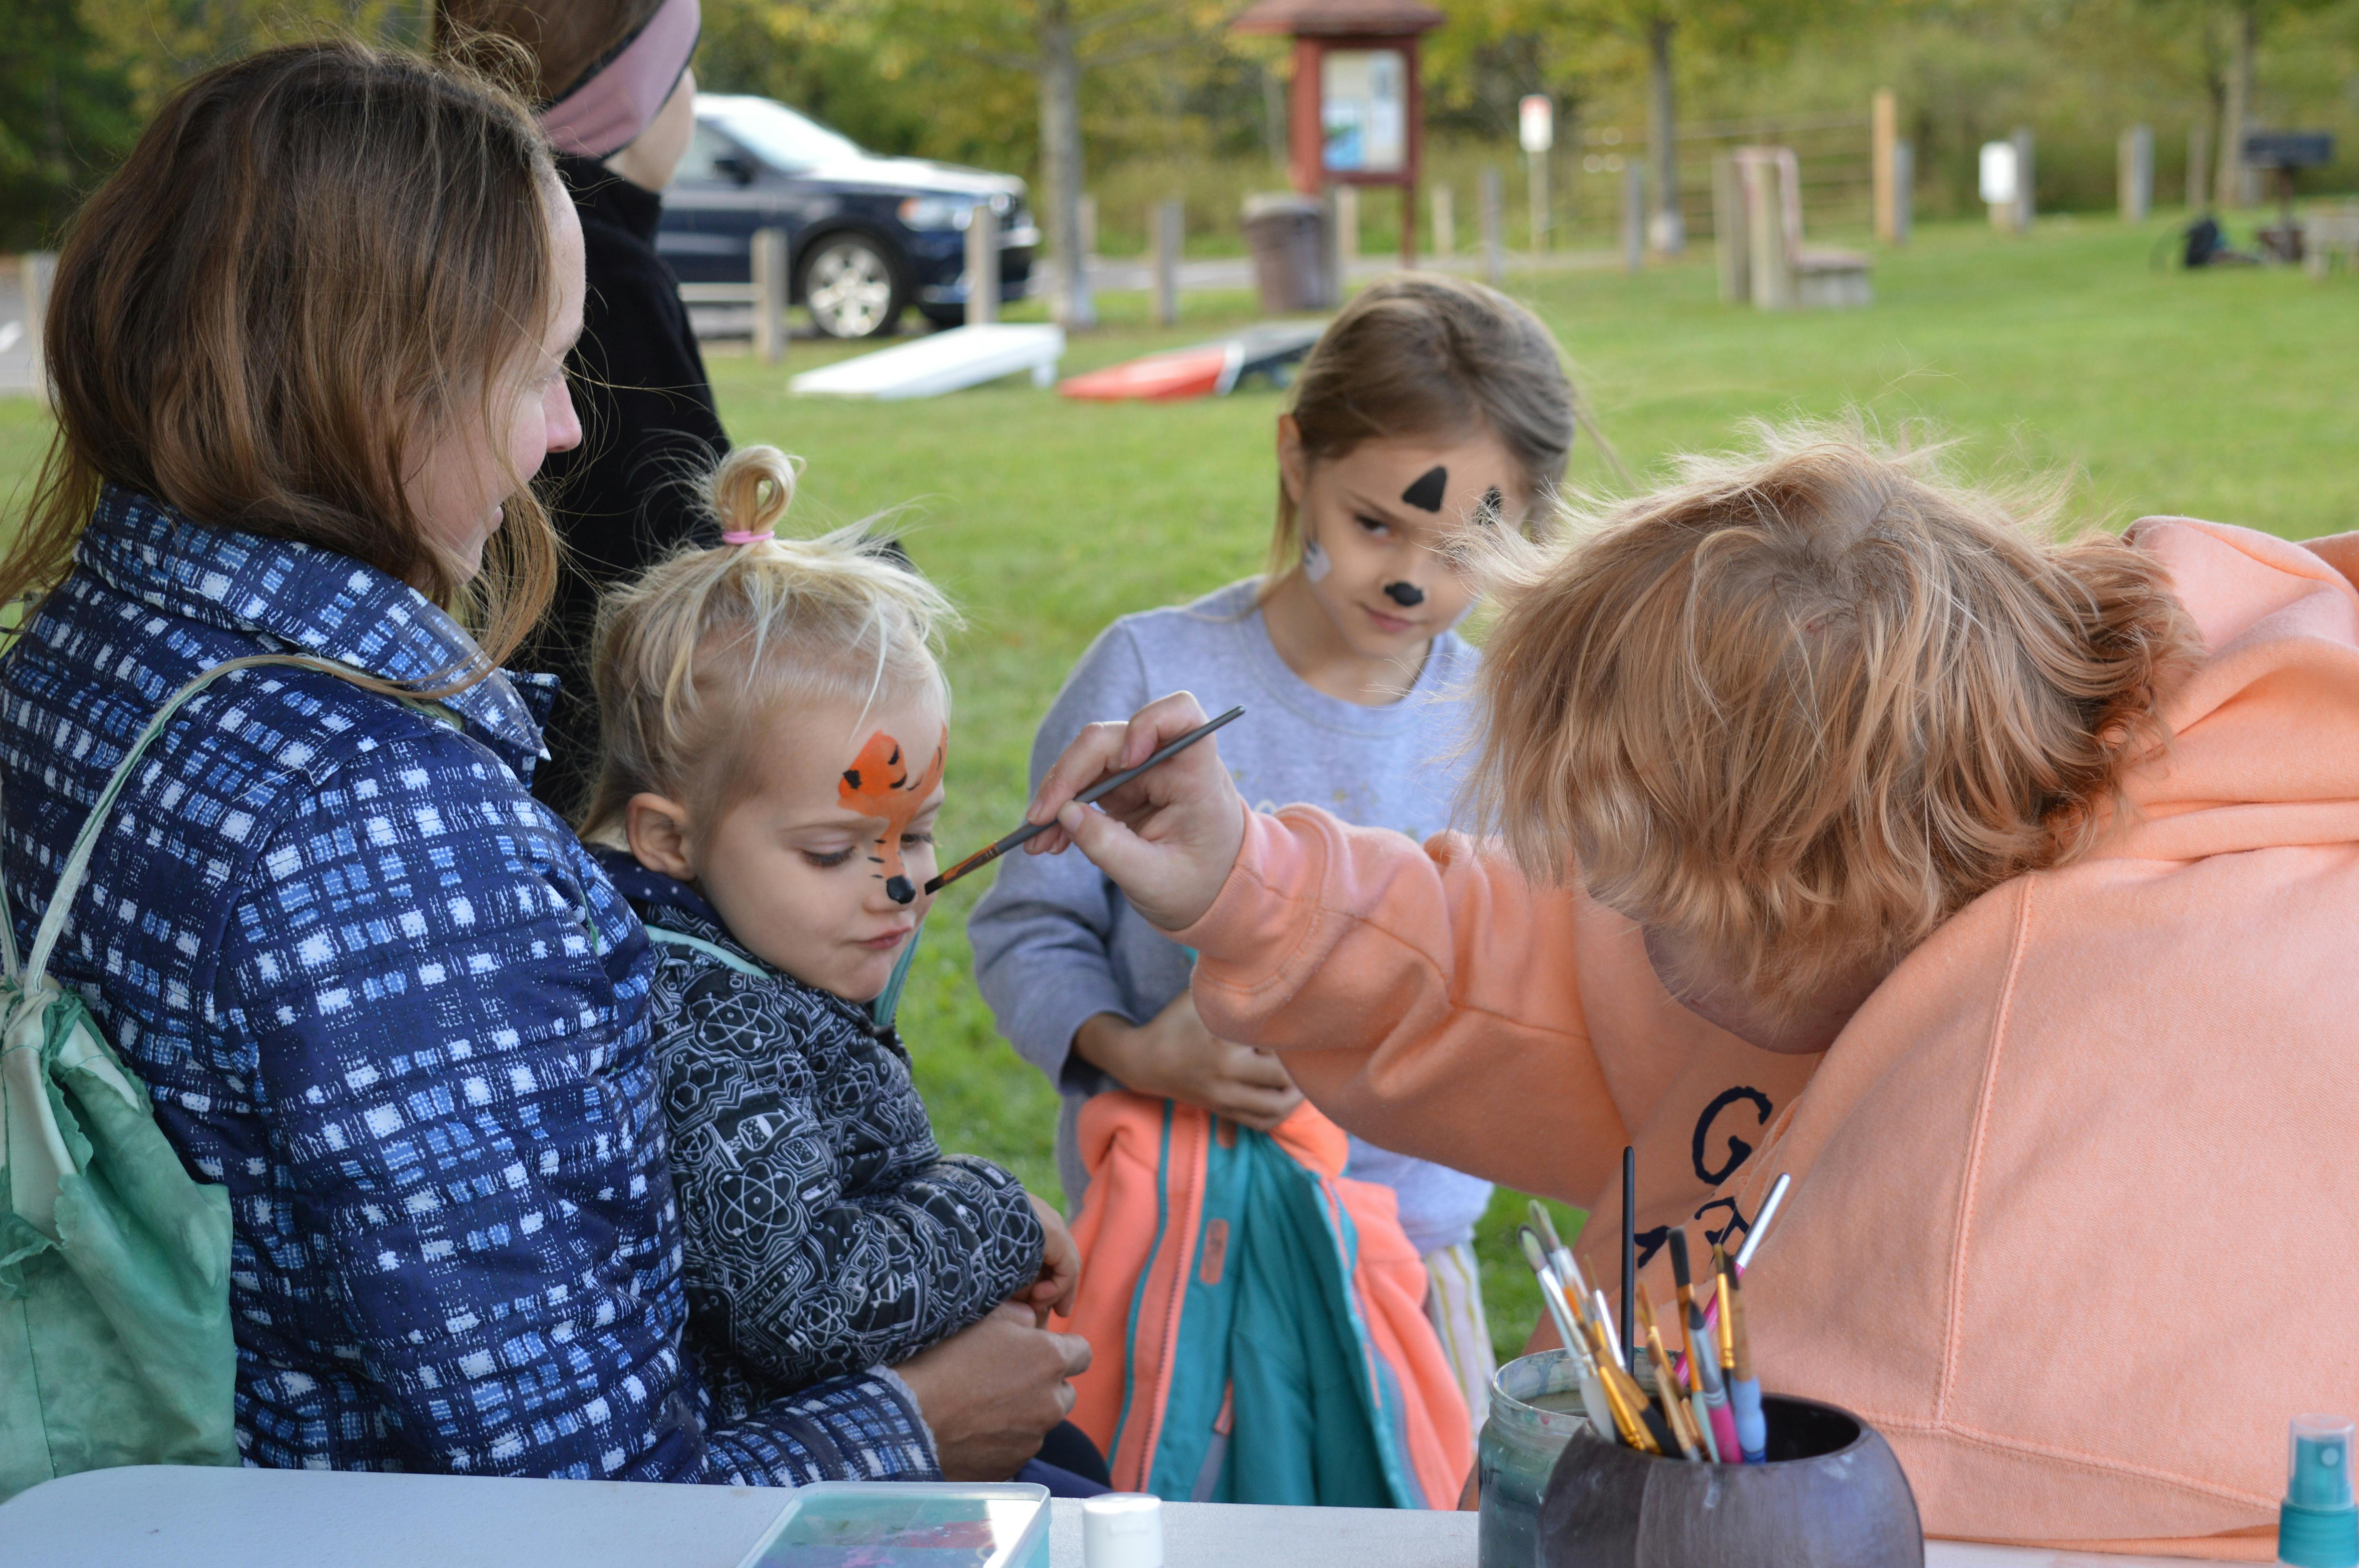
x,y
606,110
748,536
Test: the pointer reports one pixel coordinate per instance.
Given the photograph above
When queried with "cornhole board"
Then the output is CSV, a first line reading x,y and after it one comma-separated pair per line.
x,y
1203,370
943,361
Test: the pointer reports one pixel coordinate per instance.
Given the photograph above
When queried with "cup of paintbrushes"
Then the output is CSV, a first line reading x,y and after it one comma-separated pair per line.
x,y
1831,1494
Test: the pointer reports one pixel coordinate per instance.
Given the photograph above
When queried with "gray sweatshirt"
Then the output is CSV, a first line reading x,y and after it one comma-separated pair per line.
x,y
1056,943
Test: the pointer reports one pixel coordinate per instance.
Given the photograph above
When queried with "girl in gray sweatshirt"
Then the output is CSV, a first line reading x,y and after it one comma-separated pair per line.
x,y
1430,405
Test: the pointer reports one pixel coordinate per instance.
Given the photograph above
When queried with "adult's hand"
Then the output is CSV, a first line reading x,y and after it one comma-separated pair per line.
x,y
991,1392
1061,1266
1174,1056
1168,837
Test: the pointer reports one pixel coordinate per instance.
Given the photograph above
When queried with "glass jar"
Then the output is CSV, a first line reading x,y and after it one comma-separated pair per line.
x,y
1535,1410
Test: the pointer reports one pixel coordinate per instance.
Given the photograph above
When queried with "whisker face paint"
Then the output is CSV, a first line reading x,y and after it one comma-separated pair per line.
x,y
878,785
1426,490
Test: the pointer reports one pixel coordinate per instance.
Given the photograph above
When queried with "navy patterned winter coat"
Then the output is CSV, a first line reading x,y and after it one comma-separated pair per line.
x,y
826,1230
388,1001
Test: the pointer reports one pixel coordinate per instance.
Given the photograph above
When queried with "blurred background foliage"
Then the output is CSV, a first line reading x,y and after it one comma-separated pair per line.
x,y
1175,105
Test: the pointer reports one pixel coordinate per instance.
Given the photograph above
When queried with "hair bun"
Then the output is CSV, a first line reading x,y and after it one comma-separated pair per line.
x,y
752,490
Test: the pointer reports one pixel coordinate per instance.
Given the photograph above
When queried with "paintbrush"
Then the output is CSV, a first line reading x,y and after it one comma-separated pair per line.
x,y
1604,1310
1593,1403
1744,1389
1638,1423
1667,1388
1752,1239
1704,1365
1088,797
1629,1247
1559,1256
1685,1284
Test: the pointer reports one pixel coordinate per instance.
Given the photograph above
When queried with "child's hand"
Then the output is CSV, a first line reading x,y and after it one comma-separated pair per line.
x,y
1060,1267
1174,1056
1168,837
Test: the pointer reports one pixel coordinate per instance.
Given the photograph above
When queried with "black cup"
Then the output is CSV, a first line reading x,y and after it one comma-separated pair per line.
x,y
1832,1495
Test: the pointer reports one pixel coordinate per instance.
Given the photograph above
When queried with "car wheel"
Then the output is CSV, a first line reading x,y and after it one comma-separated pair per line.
x,y
851,288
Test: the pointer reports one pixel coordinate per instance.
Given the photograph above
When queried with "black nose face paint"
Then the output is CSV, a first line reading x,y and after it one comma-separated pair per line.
x,y
1407,595
1425,491
900,890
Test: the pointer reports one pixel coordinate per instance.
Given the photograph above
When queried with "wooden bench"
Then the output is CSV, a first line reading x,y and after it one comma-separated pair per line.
x,y
2329,234
1758,220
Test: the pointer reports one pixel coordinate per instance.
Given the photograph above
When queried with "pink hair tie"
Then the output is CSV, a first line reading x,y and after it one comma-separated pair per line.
x,y
748,536
605,110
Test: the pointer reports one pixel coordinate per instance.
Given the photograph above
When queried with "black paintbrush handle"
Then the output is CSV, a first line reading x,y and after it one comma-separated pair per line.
x,y
1088,797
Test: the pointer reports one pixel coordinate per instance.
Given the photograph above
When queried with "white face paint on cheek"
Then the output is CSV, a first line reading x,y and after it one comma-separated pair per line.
x,y
1315,563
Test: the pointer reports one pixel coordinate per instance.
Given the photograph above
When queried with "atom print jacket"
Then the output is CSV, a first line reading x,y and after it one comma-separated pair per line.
x,y
391,1003
826,1230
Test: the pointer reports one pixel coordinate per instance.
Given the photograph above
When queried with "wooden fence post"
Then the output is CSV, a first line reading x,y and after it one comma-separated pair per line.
x,y
1088,224
2134,176
1445,222
1634,214
2025,207
1494,245
1347,235
1170,218
770,293
1904,190
982,264
1730,231
1885,134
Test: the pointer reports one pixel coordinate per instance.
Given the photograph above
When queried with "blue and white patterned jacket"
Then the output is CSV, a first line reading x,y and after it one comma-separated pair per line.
x,y
386,999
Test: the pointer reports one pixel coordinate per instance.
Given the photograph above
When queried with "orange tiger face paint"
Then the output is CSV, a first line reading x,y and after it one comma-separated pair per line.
x,y
878,785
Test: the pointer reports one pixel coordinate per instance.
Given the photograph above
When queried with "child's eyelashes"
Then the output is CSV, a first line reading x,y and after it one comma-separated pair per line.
x,y
1375,525
827,860
927,838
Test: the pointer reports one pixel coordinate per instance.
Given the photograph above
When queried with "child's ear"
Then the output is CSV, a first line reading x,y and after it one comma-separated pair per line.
x,y
657,829
1293,468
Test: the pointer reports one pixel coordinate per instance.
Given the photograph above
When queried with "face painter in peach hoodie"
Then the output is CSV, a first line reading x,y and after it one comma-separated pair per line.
x,y
2073,1188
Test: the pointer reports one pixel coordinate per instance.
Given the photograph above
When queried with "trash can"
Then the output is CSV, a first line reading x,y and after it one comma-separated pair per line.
x,y
1286,233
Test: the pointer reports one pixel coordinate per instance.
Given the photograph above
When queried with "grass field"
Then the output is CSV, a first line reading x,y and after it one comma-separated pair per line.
x,y
2227,395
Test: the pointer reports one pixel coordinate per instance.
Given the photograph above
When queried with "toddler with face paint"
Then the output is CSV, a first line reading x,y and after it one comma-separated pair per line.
x,y
1429,405
775,725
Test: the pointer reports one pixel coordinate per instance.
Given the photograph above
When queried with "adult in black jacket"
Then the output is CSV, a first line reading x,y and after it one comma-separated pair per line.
x,y
619,105
624,498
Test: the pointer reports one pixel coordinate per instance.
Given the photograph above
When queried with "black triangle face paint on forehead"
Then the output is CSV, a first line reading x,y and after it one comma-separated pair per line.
x,y
1425,491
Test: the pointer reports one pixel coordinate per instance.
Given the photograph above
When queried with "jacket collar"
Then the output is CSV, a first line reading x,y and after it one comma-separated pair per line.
x,y
311,601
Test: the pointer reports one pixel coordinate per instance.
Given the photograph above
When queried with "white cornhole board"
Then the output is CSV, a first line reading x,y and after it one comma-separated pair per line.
x,y
944,361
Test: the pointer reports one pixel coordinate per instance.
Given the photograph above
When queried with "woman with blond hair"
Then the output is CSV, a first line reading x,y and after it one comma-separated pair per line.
x,y
1849,824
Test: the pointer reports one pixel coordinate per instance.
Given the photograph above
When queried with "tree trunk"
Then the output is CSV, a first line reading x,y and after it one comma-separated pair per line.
x,y
1061,166
1666,231
2238,110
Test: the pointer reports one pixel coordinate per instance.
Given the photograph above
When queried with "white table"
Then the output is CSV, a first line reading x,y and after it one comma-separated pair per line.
x,y
189,1517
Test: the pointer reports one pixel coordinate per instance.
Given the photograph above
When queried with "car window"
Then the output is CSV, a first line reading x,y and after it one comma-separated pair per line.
x,y
778,135
701,163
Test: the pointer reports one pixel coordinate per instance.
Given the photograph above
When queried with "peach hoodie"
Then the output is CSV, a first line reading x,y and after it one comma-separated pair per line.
x,y
2073,1192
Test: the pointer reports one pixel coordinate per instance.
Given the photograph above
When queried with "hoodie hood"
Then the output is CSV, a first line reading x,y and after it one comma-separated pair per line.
x,y
2265,733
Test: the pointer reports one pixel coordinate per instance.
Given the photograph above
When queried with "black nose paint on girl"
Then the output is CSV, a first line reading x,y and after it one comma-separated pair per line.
x,y
1407,595
900,890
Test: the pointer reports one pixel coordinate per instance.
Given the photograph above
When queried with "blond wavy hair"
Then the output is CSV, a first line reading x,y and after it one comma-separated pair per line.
x,y
689,659
1815,697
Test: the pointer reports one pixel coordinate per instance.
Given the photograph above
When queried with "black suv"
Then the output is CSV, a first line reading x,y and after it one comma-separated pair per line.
x,y
866,236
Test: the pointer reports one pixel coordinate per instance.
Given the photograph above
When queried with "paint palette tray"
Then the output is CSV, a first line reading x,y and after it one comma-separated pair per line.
x,y
913,1524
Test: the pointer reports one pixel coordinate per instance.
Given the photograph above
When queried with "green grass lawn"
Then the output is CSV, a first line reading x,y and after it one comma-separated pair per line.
x,y
2227,395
